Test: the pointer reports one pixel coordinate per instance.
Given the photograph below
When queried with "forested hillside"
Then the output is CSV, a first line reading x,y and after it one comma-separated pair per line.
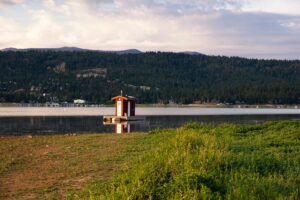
x,y
35,76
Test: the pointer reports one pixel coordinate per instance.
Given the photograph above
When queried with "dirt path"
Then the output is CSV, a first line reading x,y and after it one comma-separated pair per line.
x,y
48,166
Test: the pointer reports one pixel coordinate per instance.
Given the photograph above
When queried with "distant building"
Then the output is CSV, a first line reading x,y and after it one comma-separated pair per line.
x,y
92,73
79,101
131,86
143,87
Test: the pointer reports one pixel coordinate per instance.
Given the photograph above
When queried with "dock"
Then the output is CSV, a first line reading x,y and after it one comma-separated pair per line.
x,y
114,119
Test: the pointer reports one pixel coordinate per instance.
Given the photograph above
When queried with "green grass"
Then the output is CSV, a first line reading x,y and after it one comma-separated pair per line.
x,y
210,162
192,162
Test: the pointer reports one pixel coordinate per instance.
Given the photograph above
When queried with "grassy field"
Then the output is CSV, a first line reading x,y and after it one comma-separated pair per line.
x,y
193,162
211,162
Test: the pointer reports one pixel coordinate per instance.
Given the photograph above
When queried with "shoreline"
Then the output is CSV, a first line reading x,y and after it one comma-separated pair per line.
x,y
209,105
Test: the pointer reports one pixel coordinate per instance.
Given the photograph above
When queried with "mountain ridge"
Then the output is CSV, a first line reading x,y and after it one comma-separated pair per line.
x,y
77,49
72,49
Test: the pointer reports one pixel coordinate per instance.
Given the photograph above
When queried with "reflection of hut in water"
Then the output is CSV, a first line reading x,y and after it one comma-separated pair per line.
x,y
124,128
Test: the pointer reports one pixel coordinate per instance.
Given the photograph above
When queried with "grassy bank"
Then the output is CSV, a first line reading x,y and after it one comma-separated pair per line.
x,y
211,162
193,162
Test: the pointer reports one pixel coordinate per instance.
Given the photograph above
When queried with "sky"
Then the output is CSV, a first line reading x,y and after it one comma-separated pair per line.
x,y
248,28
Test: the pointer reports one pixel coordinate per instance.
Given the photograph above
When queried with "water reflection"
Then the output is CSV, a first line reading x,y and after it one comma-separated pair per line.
x,y
121,128
62,125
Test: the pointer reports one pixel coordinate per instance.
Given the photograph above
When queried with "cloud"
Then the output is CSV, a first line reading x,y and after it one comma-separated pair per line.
x,y
5,3
289,7
291,23
10,2
255,35
43,30
10,31
228,27
171,7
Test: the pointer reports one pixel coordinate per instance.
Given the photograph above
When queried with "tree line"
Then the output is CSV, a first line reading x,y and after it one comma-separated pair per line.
x,y
152,77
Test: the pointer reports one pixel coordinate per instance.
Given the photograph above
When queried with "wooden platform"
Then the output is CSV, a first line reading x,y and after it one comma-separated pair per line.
x,y
114,119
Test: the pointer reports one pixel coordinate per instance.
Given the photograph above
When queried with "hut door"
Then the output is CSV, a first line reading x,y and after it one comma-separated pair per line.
x,y
128,109
119,108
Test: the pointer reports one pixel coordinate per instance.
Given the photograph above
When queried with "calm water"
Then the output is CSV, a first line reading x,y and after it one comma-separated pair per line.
x,y
148,111
93,124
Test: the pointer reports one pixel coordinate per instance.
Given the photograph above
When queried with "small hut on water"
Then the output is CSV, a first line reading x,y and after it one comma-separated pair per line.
x,y
124,106
124,110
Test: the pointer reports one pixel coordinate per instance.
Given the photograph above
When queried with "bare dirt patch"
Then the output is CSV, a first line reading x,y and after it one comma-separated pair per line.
x,y
48,166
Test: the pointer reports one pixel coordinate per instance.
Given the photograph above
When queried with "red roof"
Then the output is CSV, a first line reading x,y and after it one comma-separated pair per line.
x,y
124,98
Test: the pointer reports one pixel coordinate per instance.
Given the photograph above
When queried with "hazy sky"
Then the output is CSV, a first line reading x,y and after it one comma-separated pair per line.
x,y
250,28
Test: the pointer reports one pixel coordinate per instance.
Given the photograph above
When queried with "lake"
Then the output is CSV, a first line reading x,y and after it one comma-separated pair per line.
x,y
145,111
45,120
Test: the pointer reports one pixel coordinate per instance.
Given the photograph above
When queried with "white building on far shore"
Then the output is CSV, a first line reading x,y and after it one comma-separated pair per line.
x,y
79,101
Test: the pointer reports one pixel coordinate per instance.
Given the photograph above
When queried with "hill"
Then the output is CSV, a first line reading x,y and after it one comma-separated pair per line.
x,y
70,49
153,77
